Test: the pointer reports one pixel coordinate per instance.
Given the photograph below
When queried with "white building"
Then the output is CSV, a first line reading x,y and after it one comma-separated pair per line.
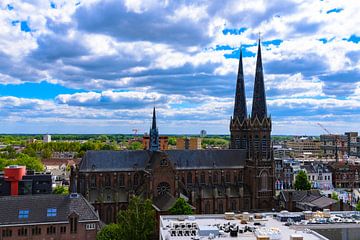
x,y
319,175
47,138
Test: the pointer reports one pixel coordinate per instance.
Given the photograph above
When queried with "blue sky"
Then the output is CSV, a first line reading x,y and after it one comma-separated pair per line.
x,y
99,66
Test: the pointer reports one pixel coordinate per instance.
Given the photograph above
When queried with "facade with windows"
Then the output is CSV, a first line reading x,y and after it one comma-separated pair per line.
x,y
47,217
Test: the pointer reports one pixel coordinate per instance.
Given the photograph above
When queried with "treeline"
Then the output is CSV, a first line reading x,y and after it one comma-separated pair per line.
x,y
8,156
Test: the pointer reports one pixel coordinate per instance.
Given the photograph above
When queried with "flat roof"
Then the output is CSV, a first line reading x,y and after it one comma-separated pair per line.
x,y
266,226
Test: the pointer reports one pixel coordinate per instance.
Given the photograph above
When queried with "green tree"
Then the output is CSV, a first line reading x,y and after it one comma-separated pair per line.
x,y
335,196
357,208
111,231
61,190
136,146
181,207
301,181
172,141
46,153
138,221
30,162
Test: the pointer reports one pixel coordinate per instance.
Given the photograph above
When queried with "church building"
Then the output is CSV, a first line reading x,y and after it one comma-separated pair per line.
x,y
237,179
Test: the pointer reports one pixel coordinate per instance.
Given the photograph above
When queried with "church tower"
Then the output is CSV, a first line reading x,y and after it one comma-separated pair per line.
x,y
238,122
260,164
154,135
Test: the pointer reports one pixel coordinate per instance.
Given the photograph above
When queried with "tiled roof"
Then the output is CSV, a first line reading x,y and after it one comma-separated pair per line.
x,y
99,161
38,205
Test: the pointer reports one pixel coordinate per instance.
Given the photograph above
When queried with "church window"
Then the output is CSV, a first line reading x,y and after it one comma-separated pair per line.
x,y
210,179
233,205
237,142
202,178
73,224
163,162
264,181
221,207
121,180
107,180
136,179
256,142
244,143
207,207
215,178
227,179
163,188
189,178
109,215
93,180
263,144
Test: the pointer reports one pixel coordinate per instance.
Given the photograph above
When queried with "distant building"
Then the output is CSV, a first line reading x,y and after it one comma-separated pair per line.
x,y
319,175
332,144
353,144
345,175
47,138
188,143
17,181
282,153
163,142
48,216
304,147
203,133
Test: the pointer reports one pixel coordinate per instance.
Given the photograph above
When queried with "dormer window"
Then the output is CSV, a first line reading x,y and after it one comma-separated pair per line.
x,y
51,212
23,213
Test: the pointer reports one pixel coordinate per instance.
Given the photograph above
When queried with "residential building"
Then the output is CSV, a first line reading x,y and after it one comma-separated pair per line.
x,y
334,146
213,181
16,180
345,174
319,175
163,142
353,144
48,217
188,143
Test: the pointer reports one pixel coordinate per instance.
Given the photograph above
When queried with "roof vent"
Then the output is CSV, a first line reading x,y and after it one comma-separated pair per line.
x,y
74,195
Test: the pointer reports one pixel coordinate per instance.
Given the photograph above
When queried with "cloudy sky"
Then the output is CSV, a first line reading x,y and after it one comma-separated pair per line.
x,y
91,66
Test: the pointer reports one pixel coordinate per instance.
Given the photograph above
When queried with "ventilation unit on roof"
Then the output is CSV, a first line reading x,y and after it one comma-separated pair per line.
x,y
74,195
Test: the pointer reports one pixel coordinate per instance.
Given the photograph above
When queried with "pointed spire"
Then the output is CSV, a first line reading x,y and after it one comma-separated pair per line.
x,y
240,98
154,135
259,99
154,119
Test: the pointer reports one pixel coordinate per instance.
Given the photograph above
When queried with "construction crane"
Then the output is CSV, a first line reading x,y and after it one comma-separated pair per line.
x,y
337,141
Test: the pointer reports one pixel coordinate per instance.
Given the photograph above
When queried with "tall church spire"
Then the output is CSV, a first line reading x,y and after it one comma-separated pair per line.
x,y
259,98
240,98
154,135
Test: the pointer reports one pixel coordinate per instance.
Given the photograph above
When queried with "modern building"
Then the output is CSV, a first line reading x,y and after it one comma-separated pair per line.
x,y
304,146
213,181
46,138
353,144
48,216
203,133
334,146
245,226
188,143
16,180
282,153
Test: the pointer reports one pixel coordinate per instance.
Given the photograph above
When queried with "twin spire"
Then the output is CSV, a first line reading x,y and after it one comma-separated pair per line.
x,y
259,99
154,135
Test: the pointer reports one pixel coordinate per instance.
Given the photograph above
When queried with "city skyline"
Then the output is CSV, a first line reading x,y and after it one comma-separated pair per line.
x,y
91,67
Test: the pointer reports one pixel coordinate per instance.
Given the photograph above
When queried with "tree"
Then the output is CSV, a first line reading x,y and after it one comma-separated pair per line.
x,y
136,146
138,221
181,207
335,196
111,231
61,190
301,181
357,208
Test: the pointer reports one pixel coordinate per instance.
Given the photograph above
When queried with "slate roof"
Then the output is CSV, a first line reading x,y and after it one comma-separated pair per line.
x,y
38,205
102,161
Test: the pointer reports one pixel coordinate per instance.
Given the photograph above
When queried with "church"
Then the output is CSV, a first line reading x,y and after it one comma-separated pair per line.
x,y
237,179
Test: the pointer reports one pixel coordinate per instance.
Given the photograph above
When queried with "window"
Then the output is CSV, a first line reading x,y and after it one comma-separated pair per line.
x,y
121,180
63,229
93,181
22,232
23,213
136,179
221,207
207,207
107,180
189,178
90,226
51,230
73,225
7,233
51,212
233,205
36,231
264,181
227,178
202,178
163,188
215,177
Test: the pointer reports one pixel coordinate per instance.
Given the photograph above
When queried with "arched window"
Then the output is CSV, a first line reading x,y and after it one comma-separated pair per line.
x,y
202,178
109,215
136,179
221,207
243,143
189,178
210,179
233,205
121,180
216,178
227,178
107,180
263,181
93,180
207,207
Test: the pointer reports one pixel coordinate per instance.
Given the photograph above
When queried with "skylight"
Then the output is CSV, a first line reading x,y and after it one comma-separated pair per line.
x,y
23,213
51,212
